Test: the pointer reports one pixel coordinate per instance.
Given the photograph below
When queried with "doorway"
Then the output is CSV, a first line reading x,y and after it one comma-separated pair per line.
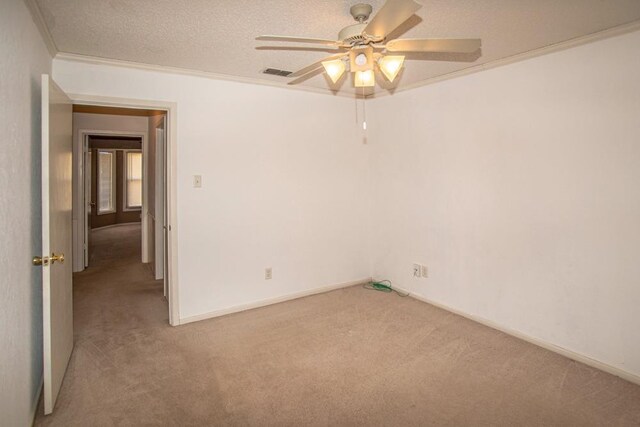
x,y
122,160
66,199
114,173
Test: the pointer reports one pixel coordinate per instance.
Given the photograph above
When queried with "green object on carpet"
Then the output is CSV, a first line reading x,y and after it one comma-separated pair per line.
x,y
383,286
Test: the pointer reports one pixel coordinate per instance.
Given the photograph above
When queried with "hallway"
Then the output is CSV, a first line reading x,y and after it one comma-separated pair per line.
x,y
119,318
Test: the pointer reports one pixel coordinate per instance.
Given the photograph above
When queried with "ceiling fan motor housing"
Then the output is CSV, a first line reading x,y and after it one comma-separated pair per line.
x,y
352,35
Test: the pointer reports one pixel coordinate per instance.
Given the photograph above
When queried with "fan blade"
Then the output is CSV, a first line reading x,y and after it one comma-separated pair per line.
x,y
434,45
315,65
297,40
307,76
390,16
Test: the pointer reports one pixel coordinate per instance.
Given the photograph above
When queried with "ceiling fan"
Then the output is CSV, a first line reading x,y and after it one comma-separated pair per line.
x,y
364,47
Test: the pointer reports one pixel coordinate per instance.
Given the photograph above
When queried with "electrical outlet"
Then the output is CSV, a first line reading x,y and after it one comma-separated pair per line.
x,y
197,181
424,272
267,273
416,270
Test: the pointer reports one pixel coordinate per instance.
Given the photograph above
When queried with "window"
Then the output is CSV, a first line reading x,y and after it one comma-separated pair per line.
x,y
133,180
106,182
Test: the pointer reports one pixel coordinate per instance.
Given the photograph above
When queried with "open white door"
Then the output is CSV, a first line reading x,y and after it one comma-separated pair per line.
x,y
56,238
159,207
88,206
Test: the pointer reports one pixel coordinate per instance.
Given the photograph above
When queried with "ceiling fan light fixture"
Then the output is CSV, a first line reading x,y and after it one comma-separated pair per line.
x,y
335,69
391,65
361,59
364,79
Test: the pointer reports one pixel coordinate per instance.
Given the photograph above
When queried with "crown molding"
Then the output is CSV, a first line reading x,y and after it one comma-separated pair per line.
x,y
556,47
86,59
38,19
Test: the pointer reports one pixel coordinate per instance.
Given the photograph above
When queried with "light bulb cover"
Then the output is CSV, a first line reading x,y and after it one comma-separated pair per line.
x,y
359,63
391,65
335,69
364,79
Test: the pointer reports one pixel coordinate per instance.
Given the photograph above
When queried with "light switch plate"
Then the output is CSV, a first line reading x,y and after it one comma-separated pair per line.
x,y
416,270
197,181
424,272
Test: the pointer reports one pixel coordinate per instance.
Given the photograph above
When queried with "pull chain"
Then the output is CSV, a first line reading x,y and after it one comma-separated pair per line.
x,y
355,98
364,111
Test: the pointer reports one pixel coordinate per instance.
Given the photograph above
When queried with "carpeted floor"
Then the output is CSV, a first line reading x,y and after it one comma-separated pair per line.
x,y
347,357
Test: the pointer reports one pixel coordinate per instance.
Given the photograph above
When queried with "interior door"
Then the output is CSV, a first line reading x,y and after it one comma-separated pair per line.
x,y
56,238
165,211
88,204
159,205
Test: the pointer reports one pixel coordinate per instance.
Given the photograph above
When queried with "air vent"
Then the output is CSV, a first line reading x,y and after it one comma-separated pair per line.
x,y
276,72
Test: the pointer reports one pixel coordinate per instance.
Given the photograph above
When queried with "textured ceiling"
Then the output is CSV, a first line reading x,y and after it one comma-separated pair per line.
x,y
218,35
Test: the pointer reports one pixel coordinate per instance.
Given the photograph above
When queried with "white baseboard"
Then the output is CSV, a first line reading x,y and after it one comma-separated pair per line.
x,y
270,301
36,401
536,341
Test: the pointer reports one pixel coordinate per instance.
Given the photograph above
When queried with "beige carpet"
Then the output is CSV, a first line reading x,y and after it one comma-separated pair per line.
x,y
348,357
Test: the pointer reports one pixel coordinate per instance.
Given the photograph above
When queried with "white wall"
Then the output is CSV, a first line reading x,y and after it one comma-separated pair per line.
x,y
285,184
519,188
93,122
23,58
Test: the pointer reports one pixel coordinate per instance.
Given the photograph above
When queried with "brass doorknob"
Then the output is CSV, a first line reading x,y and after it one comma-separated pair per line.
x,y
55,258
40,260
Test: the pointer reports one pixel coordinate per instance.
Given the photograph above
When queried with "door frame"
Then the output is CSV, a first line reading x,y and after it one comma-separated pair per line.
x,y
171,201
82,227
